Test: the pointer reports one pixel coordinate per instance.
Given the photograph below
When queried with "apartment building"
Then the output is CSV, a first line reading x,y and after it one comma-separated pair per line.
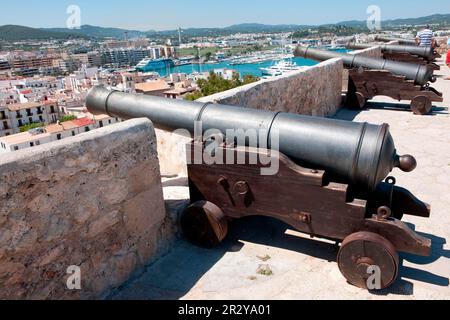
x,y
124,57
6,128
17,115
4,65
53,132
5,69
31,66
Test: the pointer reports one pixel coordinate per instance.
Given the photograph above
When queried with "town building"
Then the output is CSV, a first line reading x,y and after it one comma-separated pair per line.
x,y
153,88
124,57
5,69
28,66
53,132
15,116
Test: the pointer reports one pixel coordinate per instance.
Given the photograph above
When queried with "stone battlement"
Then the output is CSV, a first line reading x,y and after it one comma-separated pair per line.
x,y
95,201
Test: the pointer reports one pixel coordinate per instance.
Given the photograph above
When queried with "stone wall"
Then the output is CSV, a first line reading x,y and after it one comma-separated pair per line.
x,y
374,52
172,153
443,48
313,91
94,201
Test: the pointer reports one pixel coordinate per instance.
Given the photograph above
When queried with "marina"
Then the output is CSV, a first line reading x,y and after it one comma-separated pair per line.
x,y
259,64
254,69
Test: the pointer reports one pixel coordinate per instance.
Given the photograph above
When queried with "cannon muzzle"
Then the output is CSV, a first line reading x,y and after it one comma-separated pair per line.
x,y
359,154
420,74
424,52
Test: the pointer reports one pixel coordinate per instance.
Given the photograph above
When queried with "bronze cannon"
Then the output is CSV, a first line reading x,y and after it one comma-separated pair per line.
x,y
370,77
402,41
331,182
410,54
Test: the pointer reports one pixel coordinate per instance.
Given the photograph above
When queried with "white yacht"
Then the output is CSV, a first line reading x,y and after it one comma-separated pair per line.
x,y
282,67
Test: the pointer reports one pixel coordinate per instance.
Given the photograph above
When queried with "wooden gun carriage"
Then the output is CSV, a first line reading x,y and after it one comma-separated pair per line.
x,y
326,180
364,85
370,77
370,231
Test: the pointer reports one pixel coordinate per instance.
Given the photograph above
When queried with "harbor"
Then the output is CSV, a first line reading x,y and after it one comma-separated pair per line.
x,y
253,69
259,64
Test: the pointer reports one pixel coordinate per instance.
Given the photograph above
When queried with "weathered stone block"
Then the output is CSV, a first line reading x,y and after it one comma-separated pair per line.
x,y
374,52
94,201
314,91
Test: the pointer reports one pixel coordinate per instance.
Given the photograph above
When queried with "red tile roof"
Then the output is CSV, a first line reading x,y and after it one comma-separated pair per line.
x,y
83,122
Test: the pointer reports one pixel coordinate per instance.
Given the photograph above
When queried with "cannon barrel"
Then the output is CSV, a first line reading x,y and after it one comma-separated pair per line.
x,y
407,42
420,74
359,154
424,52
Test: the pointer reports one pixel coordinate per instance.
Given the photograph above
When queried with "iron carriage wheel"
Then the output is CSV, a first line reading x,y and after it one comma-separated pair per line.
x,y
356,100
421,105
204,224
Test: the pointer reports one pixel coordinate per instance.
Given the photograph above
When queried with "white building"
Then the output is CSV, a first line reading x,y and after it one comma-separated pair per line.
x,y
54,132
15,116
227,74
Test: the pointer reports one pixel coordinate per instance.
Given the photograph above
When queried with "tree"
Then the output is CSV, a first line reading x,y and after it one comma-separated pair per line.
x,y
208,56
250,79
215,84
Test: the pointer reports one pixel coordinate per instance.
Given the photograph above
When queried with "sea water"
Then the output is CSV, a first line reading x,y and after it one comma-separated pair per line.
x,y
253,69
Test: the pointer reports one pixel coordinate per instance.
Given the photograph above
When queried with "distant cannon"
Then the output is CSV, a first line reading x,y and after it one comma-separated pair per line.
x,y
370,77
408,42
419,74
410,54
329,181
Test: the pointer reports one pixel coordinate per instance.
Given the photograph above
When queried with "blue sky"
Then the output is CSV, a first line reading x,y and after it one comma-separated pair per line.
x,y
169,14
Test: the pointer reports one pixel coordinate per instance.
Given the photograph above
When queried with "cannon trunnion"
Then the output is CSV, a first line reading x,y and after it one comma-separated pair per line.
x,y
304,199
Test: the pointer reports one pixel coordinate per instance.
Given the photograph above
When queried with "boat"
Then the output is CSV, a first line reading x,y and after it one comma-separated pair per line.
x,y
281,68
149,64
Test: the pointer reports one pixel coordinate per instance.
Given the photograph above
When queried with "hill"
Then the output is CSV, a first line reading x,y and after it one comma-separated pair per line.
x,y
257,27
14,33
17,33
436,19
100,32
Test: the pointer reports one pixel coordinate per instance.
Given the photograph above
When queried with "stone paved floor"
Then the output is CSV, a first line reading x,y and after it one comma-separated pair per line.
x,y
304,268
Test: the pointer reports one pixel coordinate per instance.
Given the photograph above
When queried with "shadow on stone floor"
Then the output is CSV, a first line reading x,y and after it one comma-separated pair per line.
x,y
403,107
175,275
351,114
438,252
271,232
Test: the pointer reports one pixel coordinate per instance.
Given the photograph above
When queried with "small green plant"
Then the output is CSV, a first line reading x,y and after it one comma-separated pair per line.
x,y
264,270
67,118
31,126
